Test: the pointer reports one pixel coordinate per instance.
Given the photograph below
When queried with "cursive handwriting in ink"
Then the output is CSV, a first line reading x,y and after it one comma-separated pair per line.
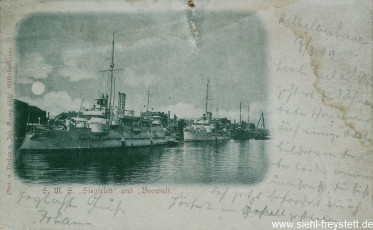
x,y
182,201
96,202
58,219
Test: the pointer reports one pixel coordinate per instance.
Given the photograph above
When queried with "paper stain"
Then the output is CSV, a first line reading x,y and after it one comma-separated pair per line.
x,y
316,63
266,4
193,25
132,2
258,6
191,4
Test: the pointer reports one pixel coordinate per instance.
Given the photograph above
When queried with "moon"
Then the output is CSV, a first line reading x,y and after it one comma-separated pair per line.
x,y
38,88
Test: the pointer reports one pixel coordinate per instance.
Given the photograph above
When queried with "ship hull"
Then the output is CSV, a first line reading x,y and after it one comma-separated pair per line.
x,y
133,142
259,134
243,135
77,138
84,138
145,136
204,136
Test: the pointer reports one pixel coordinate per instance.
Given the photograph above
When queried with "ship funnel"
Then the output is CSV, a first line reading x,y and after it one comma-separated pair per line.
x,y
121,102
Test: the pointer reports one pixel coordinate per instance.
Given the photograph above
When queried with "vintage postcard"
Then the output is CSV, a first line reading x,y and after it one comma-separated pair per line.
x,y
188,114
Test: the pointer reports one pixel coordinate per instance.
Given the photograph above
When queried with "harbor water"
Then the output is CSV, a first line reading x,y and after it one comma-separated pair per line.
x,y
228,162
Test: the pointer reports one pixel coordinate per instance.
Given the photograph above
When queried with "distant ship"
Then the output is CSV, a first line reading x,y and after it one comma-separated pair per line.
x,y
103,126
250,131
206,129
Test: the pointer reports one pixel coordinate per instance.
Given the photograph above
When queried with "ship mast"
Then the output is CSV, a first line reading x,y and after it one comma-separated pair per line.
x,y
240,112
207,95
147,104
111,78
248,115
112,81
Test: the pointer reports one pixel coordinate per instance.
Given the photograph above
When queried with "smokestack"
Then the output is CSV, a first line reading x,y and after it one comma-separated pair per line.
x,y
121,101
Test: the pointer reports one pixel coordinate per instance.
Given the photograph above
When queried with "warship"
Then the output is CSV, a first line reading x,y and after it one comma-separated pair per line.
x,y
103,126
250,130
206,128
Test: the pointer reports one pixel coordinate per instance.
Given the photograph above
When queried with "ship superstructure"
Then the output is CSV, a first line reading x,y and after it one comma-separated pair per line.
x,y
102,126
205,128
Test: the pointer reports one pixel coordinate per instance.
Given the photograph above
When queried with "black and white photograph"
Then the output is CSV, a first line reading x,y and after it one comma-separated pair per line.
x,y
142,98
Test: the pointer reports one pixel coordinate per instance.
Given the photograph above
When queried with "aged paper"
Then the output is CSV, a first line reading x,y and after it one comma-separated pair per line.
x,y
307,65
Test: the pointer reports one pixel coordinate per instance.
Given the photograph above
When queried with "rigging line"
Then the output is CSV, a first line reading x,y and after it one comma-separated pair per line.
x,y
100,81
133,96
131,101
107,82
114,93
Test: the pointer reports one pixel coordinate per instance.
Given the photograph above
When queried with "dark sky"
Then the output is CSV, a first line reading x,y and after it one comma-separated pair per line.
x,y
160,50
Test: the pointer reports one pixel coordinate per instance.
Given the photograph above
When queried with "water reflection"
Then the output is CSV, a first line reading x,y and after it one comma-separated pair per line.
x,y
232,162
